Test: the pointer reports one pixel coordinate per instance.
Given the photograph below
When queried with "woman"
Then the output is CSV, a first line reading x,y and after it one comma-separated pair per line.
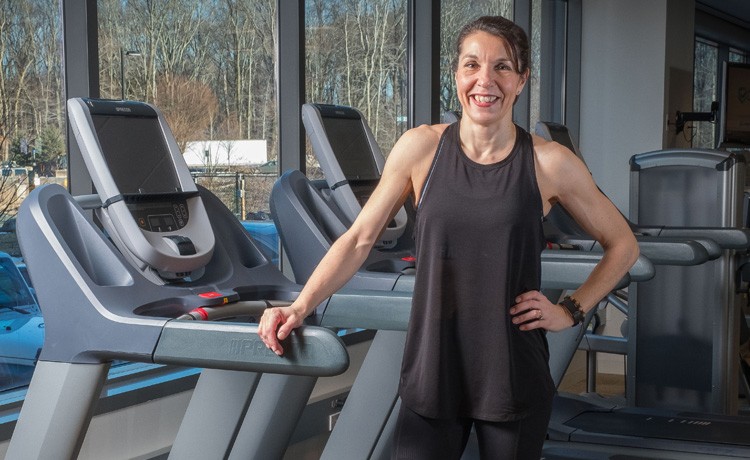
x,y
476,353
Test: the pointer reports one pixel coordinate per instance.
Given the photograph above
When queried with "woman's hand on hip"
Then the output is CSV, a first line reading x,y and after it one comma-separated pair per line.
x,y
534,311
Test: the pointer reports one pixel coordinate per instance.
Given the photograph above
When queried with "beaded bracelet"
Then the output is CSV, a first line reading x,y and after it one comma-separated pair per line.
x,y
574,309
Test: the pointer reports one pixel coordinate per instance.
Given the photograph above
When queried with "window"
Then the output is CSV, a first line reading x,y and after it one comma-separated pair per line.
x,y
737,56
31,153
209,66
704,92
356,56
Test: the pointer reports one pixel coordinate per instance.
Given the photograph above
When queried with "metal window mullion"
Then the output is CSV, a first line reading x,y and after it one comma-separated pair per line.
x,y
80,43
423,51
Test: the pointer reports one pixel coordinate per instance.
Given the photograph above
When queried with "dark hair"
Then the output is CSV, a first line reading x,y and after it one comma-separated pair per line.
x,y
514,36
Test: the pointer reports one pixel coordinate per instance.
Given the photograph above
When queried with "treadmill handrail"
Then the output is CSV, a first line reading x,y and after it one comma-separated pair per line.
x,y
659,250
568,269
678,250
310,350
367,309
687,157
727,238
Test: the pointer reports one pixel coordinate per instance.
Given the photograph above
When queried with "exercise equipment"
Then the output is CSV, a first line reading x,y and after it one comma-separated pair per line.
x,y
585,427
679,191
169,254
351,161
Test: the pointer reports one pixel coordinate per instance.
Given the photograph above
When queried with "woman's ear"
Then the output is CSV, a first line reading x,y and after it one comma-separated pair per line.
x,y
522,82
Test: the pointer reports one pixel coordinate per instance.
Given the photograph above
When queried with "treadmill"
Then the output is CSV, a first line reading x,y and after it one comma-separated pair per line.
x,y
171,278
309,220
352,163
584,427
662,250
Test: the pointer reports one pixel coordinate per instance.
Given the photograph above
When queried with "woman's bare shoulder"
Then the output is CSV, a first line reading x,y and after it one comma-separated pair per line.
x,y
418,143
549,150
553,158
425,135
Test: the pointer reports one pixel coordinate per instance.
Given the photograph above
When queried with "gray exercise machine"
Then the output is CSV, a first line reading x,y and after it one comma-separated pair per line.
x,y
170,256
676,184
561,228
309,220
352,163
694,189
595,428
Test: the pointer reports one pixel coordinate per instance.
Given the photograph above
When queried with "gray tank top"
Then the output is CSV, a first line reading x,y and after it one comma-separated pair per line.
x,y
478,240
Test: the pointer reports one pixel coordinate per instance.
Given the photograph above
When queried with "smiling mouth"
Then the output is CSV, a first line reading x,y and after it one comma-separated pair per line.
x,y
485,99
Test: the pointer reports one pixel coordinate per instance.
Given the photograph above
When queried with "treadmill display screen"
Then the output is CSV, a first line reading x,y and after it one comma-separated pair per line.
x,y
136,154
349,142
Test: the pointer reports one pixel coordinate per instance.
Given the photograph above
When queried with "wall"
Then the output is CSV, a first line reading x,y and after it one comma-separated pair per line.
x,y
680,46
632,53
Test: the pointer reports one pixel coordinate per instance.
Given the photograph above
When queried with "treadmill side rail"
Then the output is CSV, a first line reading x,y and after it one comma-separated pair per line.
x,y
387,310
314,351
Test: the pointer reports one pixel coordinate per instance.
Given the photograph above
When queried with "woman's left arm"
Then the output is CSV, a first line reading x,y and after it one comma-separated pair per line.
x,y
563,178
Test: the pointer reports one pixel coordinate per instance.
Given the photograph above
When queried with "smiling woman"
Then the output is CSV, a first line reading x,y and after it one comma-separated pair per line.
x,y
481,186
453,15
490,75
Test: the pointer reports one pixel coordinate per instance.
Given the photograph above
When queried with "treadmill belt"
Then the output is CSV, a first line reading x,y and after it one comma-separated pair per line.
x,y
679,428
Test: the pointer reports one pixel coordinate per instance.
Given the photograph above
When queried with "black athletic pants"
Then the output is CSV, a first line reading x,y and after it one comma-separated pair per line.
x,y
421,438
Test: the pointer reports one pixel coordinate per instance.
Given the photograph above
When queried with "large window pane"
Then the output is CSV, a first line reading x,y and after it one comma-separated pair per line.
x,y
704,93
453,15
356,56
209,66
32,153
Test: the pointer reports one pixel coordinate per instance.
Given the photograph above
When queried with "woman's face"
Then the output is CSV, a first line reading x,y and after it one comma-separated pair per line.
x,y
487,80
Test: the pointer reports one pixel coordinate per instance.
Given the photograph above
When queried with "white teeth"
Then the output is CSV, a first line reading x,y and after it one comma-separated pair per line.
x,y
485,98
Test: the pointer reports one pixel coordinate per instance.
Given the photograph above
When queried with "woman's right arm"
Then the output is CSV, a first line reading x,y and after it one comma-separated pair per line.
x,y
348,252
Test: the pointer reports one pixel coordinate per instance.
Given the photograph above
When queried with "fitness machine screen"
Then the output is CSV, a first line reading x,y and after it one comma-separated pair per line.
x,y
136,153
349,143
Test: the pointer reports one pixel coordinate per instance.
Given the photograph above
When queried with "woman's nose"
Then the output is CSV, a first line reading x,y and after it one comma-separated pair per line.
x,y
484,79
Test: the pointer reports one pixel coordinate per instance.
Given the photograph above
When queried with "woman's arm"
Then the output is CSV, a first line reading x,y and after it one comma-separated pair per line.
x,y
563,178
348,252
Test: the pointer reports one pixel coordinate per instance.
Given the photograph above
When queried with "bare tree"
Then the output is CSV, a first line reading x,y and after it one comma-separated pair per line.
x,y
30,97
189,106
356,56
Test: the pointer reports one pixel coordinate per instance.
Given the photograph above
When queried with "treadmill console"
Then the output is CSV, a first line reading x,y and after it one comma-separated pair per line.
x,y
348,138
148,198
351,161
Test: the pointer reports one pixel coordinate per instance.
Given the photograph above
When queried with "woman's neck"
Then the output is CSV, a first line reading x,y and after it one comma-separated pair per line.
x,y
487,144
